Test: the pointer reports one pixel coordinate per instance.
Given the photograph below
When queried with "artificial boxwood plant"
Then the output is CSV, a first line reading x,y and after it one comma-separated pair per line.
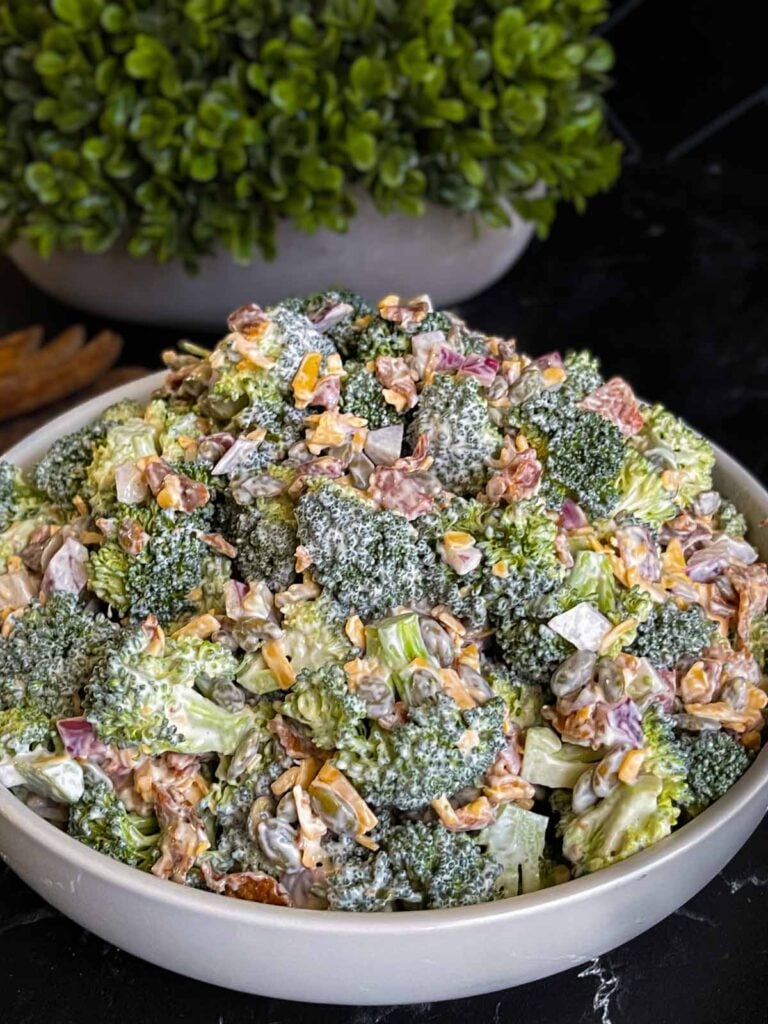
x,y
177,125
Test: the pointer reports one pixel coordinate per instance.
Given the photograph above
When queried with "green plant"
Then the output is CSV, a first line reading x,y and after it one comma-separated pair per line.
x,y
179,124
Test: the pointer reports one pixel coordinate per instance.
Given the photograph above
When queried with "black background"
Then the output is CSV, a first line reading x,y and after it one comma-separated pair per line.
x,y
664,279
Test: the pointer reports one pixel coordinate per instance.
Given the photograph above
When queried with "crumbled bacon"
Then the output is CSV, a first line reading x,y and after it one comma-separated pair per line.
x,y
219,544
615,401
751,585
252,886
292,740
518,480
411,311
406,486
395,377
249,320
131,536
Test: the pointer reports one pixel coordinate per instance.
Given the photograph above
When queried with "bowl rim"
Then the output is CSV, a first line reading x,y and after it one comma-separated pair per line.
x,y
752,786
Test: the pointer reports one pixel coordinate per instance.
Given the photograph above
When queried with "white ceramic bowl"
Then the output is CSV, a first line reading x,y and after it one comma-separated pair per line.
x,y
377,959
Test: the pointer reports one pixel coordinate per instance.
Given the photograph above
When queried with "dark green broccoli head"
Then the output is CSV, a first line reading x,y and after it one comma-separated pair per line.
x,y
730,520
454,415
531,649
362,395
414,763
162,578
672,633
586,459
367,559
49,652
336,314
100,820
23,727
321,700
715,760
62,472
264,534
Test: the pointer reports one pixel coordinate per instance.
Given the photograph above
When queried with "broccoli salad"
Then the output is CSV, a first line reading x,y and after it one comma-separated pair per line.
x,y
368,611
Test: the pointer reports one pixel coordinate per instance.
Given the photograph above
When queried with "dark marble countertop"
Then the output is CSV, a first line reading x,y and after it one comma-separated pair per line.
x,y
665,279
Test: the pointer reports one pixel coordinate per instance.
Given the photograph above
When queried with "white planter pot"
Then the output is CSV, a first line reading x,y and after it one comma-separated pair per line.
x,y
445,254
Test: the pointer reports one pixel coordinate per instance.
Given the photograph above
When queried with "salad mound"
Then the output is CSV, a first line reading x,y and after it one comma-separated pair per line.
x,y
367,611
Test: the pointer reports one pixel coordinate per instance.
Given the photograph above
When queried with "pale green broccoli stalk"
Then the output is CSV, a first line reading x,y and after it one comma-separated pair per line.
x,y
524,701
172,421
547,761
714,761
412,764
454,415
100,820
395,643
125,441
759,642
56,777
48,654
321,700
671,633
166,577
137,699
264,534
23,727
592,579
515,841
531,649
62,472
520,560
418,866
671,444
626,821
19,501
362,395
642,495
367,559
586,459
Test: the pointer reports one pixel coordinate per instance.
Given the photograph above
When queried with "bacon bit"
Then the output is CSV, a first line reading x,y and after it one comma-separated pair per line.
x,y
297,592
330,429
474,815
201,626
518,480
154,470
630,766
311,830
405,486
563,549
751,584
278,664
249,320
330,779
154,632
303,558
327,394
324,465
219,544
616,402
355,631
412,311
452,684
131,536
293,741
305,379
182,493
398,385
249,885
615,634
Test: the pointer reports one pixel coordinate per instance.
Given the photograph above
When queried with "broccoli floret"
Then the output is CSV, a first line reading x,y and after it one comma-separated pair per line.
x,y
629,819
547,761
414,763
236,848
18,500
165,578
669,443
362,395
123,441
544,413
664,756
515,841
730,520
586,459
22,728
520,561
321,700
121,412
524,701
367,559
48,655
642,494
62,472
671,633
100,820
369,885
714,761
172,422
531,649
138,699
264,534
454,415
